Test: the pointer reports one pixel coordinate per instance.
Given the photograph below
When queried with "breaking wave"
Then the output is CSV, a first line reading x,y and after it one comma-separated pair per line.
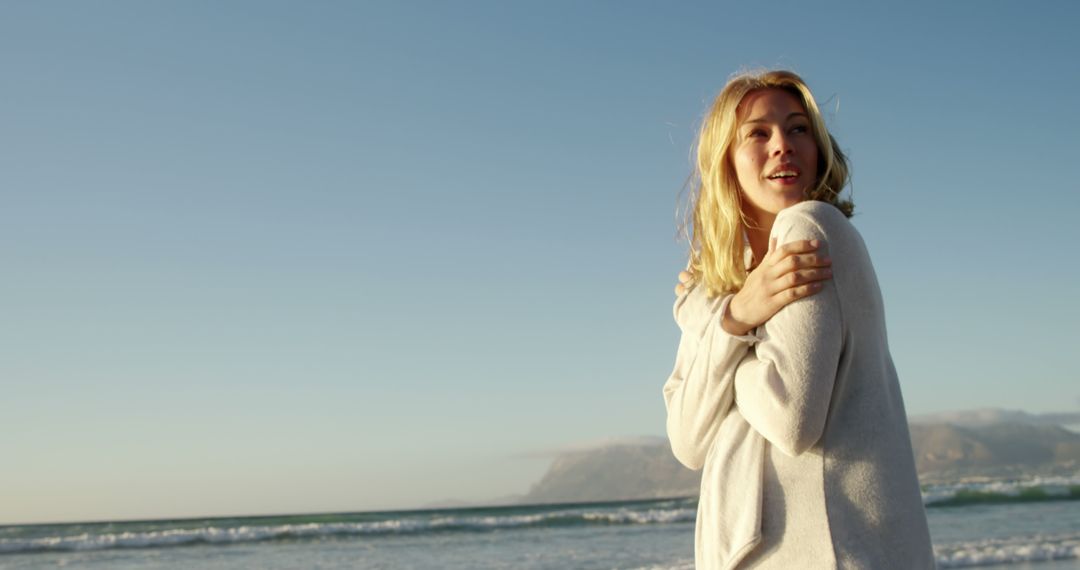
x,y
683,510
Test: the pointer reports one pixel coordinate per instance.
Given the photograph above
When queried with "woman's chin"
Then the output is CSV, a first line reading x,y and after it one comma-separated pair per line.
x,y
786,202
777,202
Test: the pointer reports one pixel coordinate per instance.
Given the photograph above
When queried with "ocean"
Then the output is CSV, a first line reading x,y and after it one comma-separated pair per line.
x,y
1032,525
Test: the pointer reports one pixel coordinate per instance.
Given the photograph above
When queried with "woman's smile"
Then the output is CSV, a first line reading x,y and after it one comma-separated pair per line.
x,y
786,174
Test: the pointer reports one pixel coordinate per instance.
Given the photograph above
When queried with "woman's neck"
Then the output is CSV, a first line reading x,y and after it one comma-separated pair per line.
x,y
759,236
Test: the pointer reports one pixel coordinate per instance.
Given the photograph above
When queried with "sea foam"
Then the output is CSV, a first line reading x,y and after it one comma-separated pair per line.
x,y
1032,489
396,526
1037,548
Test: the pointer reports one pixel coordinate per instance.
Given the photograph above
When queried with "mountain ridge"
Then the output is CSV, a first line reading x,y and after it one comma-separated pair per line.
x,y
988,443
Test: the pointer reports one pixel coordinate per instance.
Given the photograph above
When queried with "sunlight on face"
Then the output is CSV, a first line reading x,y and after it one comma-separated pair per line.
x,y
774,154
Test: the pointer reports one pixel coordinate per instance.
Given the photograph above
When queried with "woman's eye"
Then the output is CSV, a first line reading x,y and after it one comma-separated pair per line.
x,y
800,129
757,133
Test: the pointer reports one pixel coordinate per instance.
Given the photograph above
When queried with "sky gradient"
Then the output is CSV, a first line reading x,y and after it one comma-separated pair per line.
x,y
270,257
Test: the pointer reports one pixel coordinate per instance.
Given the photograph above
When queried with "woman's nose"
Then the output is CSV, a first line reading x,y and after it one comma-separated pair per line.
x,y
781,145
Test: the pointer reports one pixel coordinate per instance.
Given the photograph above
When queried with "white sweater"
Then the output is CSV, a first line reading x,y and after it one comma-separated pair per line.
x,y
800,428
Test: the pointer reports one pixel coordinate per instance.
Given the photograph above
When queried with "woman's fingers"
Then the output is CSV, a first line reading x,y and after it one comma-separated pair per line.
x,y
798,271
801,291
795,269
788,272
800,246
779,254
685,279
797,262
808,276
796,255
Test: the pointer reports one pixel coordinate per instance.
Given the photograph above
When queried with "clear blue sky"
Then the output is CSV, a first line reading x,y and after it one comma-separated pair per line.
x,y
287,257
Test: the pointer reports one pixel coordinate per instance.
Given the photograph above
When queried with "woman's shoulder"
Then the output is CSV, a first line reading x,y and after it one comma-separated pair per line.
x,y
823,221
816,210
812,216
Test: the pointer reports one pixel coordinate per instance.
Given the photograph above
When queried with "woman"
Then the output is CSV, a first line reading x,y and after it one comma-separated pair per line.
x,y
784,391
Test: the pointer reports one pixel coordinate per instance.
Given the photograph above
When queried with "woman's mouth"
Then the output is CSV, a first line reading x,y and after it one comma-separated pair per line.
x,y
785,176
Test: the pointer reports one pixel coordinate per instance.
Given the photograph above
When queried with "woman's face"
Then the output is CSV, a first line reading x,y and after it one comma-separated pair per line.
x,y
774,154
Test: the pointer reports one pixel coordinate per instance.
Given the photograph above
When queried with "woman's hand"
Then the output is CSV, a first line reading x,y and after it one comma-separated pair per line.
x,y
686,278
787,273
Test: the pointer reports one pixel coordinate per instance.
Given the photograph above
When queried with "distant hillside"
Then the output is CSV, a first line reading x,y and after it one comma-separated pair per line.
x,y
943,451
988,416
612,473
947,451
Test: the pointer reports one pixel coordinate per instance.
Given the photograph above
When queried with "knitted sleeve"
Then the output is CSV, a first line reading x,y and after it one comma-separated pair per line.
x,y
783,387
699,391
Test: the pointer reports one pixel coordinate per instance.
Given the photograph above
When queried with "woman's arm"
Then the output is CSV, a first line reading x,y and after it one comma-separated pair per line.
x,y
784,386
699,391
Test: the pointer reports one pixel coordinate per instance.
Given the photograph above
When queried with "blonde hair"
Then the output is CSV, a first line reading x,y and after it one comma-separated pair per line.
x,y
716,245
